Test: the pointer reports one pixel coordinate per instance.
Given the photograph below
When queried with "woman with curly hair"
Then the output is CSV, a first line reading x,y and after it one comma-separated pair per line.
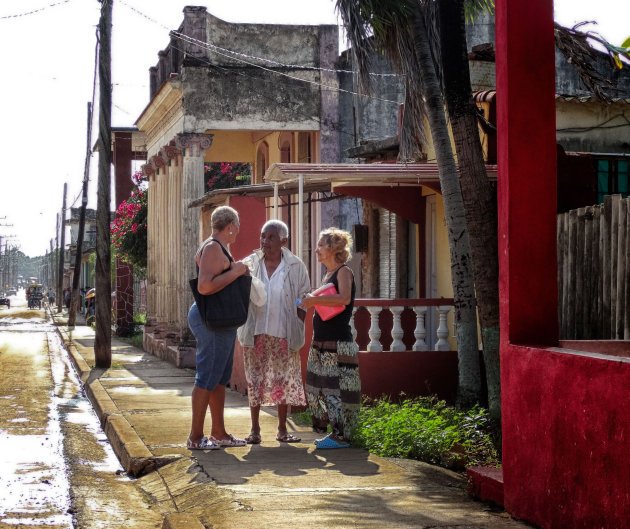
x,y
333,386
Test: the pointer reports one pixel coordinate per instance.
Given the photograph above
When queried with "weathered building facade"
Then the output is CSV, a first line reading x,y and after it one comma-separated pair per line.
x,y
212,101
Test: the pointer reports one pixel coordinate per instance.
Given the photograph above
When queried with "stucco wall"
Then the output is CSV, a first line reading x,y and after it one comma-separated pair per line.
x,y
231,90
566,425
375,118
607,126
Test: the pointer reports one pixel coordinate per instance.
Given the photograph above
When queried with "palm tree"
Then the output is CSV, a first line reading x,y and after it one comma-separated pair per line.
x,y
399,28
480,199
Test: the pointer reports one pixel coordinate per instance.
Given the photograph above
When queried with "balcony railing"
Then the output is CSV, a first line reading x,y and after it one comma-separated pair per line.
x,y
402,324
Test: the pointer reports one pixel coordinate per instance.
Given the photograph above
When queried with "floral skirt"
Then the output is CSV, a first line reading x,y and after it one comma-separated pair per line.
x,y
333,387
273,373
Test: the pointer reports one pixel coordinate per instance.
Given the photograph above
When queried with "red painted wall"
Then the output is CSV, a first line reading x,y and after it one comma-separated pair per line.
x,y
252,215
566,415
566,432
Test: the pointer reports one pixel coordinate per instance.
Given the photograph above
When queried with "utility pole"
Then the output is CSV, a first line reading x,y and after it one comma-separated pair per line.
x,y
74,295
62,237
103,305
56,259
51,266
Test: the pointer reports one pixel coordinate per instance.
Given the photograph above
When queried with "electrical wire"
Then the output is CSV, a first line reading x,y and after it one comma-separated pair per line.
x,y
34,10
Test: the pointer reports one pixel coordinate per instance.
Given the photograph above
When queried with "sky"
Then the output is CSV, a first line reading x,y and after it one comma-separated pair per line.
x,y
48,49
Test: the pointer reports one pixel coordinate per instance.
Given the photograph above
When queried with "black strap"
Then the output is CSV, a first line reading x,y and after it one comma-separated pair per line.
x,y
227,254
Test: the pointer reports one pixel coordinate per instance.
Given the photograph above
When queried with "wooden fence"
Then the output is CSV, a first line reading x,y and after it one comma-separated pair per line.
x,y
593,258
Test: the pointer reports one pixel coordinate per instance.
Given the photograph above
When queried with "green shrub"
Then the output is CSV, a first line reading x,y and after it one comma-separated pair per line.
x,y
424,429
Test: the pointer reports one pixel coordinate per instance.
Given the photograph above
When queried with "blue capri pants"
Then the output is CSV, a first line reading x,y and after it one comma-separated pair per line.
x,y
215,352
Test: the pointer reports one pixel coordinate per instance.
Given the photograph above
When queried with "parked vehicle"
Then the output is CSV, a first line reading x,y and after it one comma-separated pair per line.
x,y
4,300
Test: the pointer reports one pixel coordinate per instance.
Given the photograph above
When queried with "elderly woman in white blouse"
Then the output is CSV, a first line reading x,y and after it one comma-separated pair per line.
x,y
274,333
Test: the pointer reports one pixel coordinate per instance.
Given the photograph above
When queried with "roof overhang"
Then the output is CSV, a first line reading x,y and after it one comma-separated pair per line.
x,y
373,174
332,178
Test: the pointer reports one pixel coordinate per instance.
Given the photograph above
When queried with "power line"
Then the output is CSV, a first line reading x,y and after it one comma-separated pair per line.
x,y
34,10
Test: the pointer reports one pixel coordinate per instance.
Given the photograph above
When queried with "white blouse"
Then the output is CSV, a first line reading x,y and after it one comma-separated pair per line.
x,y
271,318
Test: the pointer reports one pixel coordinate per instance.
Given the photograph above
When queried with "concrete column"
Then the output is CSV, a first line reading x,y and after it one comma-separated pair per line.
x,y
193,147
151,235
161,238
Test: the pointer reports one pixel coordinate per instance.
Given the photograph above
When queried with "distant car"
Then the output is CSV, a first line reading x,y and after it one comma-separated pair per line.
x,y
5,301
11,292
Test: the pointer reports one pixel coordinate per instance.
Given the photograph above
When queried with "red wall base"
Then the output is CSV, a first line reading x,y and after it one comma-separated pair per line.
x,y
486,483
566,425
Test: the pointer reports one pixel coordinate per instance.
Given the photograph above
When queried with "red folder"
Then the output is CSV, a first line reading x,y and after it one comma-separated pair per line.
x,y
325,313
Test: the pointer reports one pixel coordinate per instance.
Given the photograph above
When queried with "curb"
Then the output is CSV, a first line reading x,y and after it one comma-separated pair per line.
x,y
133,454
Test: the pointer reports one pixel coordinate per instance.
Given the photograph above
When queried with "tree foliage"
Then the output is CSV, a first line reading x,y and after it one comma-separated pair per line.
x,y
129,229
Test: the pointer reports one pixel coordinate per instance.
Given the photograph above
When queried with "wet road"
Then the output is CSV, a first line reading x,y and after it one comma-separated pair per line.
x,y
56,466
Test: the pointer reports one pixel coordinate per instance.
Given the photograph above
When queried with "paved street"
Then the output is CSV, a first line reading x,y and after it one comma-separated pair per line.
x,y
58,469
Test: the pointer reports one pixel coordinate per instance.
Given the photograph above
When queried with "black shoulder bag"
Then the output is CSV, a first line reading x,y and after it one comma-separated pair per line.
x,y
226,308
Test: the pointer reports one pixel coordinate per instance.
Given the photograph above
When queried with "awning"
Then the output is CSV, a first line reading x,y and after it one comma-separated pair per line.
x,y
360,180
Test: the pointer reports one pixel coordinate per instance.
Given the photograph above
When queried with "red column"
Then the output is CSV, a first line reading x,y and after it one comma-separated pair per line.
x,y
525,73
123,306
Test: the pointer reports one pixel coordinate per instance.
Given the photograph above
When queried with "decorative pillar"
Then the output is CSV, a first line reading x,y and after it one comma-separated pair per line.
x,y
161,239
148,171
420,332
170,155
375,331
397,330
193,148
442,330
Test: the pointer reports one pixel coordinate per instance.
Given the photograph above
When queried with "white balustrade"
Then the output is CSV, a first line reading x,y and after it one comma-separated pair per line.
x,y
353,329
420,332
375,331
397,330
442,330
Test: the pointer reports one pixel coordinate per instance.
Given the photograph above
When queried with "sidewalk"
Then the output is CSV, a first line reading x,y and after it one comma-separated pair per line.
x,y
144,406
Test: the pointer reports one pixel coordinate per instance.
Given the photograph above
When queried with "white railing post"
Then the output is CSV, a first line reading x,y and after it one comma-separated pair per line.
x,y
442,330
353,329
397,330
375,331
420,332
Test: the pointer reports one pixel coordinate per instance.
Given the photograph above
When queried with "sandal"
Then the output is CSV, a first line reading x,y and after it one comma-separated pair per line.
x,y
253,438
231,441
329,442
288,438
203,444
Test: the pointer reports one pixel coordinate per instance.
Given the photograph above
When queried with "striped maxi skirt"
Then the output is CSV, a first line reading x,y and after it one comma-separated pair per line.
x,y
333,387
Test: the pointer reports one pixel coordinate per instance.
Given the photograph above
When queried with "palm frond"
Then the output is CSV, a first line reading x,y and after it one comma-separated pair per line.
x,y
574,45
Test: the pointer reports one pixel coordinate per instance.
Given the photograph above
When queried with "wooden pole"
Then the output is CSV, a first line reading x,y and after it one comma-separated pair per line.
x,y
103,303
62,244
74,295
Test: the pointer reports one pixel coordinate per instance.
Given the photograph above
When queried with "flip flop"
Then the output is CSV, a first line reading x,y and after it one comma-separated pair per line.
x,y
203,444
231,441
253,438
329,443
288,438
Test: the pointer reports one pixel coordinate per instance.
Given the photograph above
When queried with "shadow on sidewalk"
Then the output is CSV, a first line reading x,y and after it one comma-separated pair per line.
x,y
227,468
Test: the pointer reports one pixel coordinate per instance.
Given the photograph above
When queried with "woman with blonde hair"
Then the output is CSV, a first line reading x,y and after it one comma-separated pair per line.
x,y
333,386
215,348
